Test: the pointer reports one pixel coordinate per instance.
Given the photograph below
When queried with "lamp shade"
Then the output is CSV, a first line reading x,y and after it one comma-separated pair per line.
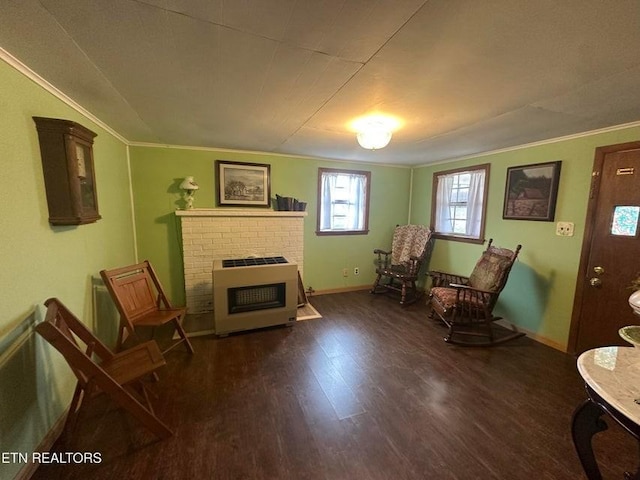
x,y
189,184
374,135
373,140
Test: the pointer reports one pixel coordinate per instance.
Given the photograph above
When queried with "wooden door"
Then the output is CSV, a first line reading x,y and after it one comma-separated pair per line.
x,y
610,257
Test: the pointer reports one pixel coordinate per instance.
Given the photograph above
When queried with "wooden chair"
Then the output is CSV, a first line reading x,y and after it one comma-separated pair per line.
x,y
99,370
398,269
465,304
141,301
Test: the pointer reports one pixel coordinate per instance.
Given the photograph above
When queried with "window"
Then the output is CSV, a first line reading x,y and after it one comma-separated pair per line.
x,y
458,204
625,220
343,202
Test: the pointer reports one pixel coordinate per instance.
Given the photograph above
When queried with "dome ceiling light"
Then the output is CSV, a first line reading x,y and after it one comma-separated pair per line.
x,y
374,132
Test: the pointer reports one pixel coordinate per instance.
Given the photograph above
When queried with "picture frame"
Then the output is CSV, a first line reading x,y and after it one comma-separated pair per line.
x,y
240,184
531,192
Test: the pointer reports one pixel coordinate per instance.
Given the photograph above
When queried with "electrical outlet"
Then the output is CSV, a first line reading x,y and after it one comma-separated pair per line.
x,y
564,229
345,272
356,271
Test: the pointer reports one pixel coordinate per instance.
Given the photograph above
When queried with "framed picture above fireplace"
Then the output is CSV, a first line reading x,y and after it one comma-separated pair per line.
x,y
240,184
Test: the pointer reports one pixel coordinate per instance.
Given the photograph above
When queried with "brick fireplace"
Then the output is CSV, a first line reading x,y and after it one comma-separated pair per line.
x,y
220,233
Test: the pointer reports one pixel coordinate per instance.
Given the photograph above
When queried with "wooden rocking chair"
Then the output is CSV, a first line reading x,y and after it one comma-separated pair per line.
x,y
99,370
411,249
465,304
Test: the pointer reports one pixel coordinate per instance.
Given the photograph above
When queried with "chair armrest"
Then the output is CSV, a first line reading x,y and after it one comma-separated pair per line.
x,y
466,294
470,288
443,279
382,262
413,265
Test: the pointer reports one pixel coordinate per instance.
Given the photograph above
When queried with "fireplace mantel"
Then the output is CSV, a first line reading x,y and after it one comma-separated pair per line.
x,y
233,212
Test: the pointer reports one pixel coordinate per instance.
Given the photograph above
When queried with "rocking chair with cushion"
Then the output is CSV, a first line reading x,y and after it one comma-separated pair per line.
x,y
411,249
465,304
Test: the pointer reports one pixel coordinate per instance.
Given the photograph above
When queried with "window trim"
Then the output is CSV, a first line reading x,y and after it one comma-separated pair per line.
x,y
365,229
485,194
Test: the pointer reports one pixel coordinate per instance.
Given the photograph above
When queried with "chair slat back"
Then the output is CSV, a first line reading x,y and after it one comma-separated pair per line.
x,y
64,332
135,293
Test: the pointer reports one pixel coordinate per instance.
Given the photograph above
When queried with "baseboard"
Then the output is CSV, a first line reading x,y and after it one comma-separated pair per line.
x,y
534,336
27,471
356,288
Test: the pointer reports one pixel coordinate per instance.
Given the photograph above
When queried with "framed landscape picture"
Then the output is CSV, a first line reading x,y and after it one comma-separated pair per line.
x,y
531,192
241,184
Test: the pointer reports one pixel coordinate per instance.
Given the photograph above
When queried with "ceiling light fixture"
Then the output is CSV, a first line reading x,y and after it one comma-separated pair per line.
x,y
373,133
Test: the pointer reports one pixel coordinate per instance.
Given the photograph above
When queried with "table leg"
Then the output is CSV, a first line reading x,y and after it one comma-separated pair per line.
x,y
632,476
585,424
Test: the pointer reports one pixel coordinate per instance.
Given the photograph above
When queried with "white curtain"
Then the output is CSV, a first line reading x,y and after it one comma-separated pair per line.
x,y
444,222
328,187
474,203
357,186
353,192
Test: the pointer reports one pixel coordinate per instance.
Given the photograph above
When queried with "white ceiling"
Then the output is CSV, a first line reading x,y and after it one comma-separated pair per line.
x,y
288,76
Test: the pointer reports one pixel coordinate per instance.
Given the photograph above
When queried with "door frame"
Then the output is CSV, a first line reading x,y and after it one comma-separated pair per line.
x,y
583,270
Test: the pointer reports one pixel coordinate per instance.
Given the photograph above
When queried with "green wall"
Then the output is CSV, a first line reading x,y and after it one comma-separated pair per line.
x,y
157,172
39,261
539,295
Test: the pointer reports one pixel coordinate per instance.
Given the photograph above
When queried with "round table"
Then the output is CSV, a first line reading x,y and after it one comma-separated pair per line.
x,y
612,381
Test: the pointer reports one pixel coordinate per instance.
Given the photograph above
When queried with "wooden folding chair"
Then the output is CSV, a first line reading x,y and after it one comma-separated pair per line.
x,y
141,301
99,370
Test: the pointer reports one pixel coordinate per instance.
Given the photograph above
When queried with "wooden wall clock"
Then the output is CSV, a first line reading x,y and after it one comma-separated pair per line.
x,y
66,149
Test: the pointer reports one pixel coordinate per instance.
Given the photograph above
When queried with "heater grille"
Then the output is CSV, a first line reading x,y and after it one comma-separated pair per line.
x,y
255,295
252,261
258,297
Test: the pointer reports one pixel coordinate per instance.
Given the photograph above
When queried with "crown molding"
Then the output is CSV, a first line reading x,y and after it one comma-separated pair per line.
x,y
56,92
549,141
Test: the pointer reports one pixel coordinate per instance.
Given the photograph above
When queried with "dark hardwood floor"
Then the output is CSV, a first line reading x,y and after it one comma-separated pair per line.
x,y
370,391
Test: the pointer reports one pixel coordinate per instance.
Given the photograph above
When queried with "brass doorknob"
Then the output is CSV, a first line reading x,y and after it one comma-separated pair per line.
x,y
595,282
598,270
